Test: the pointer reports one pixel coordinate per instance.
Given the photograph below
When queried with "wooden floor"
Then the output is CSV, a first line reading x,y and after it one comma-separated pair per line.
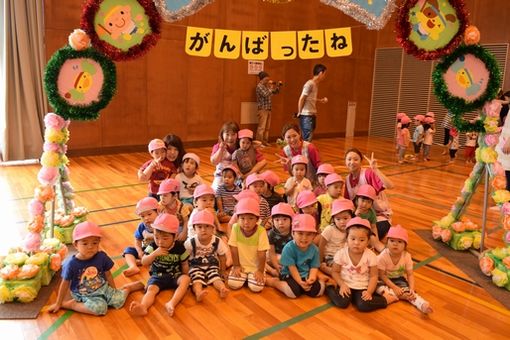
x,y
108,187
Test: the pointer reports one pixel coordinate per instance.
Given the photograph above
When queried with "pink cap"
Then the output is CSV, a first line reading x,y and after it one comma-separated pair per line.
x,y
304,222
231,167
166,222
169,185
252,179
340,205
247,194
203,217
360,222
366,190
305,198
400,115
202,190
429,120
248,206
193,156
430,114
146,203
398,232
270,177
156,144
333,178
299,159
282,209
405,120
86,229
245,133
419,118
325,168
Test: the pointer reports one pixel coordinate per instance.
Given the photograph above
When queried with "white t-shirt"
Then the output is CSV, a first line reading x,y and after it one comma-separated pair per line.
x,y
335,240
356,277
205,250
310,90
429,136
187,185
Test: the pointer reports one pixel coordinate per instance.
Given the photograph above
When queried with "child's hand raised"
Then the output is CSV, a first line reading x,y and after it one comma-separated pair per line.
x,y
372,162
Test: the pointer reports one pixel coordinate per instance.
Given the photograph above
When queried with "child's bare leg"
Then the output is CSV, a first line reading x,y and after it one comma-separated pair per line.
x,y
132,287
140,308
132,266
328,280
181,290
199,291
77,307
282,286
220,286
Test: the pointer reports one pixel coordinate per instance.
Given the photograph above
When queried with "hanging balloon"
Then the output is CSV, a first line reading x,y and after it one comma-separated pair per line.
x,y
373,13
172,10
121,29
465,80
79,83
429,29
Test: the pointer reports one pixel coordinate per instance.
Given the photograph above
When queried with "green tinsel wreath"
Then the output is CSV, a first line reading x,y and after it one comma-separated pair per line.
x,y
456,105
79,112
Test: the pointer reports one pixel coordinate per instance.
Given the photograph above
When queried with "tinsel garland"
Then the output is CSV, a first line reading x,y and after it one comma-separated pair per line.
x,y
458,106
186,10
59,104
403,30
87,24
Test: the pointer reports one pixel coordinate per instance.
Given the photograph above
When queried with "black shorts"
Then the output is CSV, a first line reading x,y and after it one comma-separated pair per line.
x,y
298,290
163,282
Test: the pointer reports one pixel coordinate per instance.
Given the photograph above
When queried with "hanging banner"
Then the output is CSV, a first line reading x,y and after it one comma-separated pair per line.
x,y
258,45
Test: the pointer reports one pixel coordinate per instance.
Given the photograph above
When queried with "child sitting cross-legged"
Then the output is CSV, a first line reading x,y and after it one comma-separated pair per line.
x,y
279,235
207,256
169,266
300,261
87,274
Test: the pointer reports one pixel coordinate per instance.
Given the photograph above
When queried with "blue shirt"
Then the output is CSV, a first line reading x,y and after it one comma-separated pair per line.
x,y
168,265
142,233
303,260
86,276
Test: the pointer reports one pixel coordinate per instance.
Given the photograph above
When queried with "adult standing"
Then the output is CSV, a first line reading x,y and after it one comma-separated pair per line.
x,y
307,109
296,146
264,91
358,176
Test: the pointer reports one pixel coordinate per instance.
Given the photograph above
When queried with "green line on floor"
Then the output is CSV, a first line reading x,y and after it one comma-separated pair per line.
x,y
427,261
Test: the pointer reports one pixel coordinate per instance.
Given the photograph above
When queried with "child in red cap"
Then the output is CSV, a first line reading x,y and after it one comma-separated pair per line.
x,y
157,169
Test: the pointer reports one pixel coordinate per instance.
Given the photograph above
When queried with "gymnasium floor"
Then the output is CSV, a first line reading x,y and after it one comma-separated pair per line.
x,y
108,187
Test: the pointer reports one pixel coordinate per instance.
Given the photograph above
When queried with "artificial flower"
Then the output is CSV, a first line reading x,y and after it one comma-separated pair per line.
x,y
486,265
44,193
506,262
48,175
458,227
487,155
436,232
477,239
38,259
499,182
9,272
36,225
56,136
50,159
500,253
445,221
446,235
501,196
24,293
54,121
471,35
28,271
491,125
79,40
5,294
492,108
491,139
32,242
35,207
55,262
17,259
499,277
497,169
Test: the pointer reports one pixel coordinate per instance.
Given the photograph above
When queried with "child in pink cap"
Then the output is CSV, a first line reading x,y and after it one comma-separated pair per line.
x,y
246,157
157,169
429,130
169,203
322,171
225,201
335,186
307,204
403,138
271,180
396,270
364,204
168,261
188,177
248,244
300,261
279,235
203,199
207,256
297,182
87,276
256,184
399,117
147,210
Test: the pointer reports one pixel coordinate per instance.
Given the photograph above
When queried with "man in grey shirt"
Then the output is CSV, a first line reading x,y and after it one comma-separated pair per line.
x,y
307,110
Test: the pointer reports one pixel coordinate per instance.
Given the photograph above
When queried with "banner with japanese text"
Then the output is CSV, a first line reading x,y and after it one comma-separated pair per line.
x,y
260,45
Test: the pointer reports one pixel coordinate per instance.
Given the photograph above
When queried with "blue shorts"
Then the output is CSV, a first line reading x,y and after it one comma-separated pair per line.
x,y
163,282
131,251
99,300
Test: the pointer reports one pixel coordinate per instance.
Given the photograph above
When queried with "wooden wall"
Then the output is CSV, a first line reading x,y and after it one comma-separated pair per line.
x,y
167,91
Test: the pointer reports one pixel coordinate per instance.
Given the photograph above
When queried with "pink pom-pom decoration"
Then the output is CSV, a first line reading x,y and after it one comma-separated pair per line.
x,y
491,139
32,242
446,235
436,232
47,175
79,40
492,108
53,147
498,169
505,209
54,121
471,35
458,227
35,207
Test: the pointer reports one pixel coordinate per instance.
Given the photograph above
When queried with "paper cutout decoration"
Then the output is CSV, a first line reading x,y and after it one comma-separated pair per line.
x,y
174,10
227,44
373,13
121,29
283,45
466,79
79,83
429,29
311,44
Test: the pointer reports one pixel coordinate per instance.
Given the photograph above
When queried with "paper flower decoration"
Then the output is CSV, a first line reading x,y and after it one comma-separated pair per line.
x,y
458,227
35,207
446,235
9,272
38,259
436,232
501,196
499,253
24,293
54,121
47,175
471,35
17,258
32,242
5,294
79,40
477,238
28,271
486,265
55,262
499,277
44,193
499,182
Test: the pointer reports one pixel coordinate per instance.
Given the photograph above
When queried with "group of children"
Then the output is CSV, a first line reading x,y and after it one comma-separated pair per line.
x,y
423,136
307,240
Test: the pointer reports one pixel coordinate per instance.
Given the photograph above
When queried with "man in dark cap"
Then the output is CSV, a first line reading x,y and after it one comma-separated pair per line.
x,y
265,90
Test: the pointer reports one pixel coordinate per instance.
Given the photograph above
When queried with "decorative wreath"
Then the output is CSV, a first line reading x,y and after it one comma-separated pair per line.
x,y
448,19
79,83
175,10
460,87
139,29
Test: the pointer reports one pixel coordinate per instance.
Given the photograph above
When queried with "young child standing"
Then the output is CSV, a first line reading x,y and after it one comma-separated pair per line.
x,y
355,271
169,203
453,144
429,131
333,237
188,177
364,203
470,147
300,261
398,127
403,139
225,200
279,236
396,270
248,244
147,209
322,171
297,182
87,275
418,135
272,197
169,266
207,256
157,169
335,185
246,158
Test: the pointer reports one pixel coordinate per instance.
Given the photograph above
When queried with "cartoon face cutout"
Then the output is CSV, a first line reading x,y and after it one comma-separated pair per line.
x,y
80,81
431,21
464,77
118,21
467,77
83,81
